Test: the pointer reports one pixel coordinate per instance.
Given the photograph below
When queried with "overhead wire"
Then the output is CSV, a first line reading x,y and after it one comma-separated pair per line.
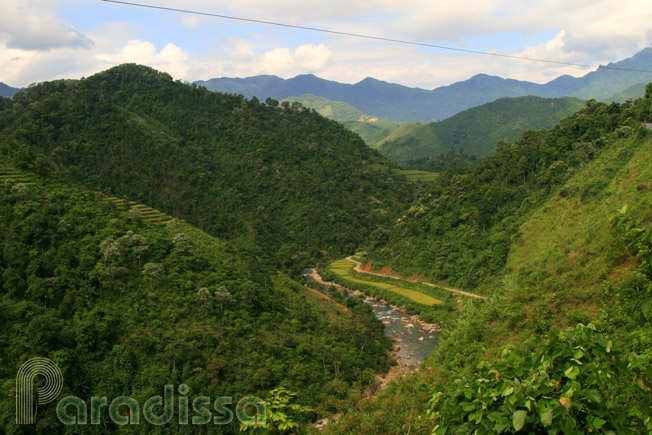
x,y
377,38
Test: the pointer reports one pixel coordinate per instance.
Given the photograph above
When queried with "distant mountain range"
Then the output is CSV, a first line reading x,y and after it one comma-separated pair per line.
x,y
400,103
8,91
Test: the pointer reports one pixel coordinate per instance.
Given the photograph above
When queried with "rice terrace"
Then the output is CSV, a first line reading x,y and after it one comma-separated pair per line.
x,y
343,268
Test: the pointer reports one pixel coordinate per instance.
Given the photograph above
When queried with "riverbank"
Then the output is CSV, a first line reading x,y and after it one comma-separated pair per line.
x,y
412,341
414,319
406,362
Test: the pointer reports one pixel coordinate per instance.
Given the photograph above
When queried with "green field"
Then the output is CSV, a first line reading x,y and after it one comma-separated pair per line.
x,y
343,268
415,175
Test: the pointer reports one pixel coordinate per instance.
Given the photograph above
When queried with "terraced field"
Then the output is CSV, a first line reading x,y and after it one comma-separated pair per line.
x,y
343,269
147,214
416,175
10,174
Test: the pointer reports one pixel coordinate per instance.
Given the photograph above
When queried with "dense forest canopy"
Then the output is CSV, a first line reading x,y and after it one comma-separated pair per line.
x,y
281,179
124,307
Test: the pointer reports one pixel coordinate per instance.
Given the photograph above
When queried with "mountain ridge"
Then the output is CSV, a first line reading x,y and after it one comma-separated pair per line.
x,y
402,103
7,91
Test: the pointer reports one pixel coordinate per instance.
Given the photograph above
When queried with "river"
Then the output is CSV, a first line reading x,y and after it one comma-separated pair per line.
x,y
413,340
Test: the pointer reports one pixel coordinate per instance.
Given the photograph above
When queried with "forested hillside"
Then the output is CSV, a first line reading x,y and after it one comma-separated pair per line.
x,y
556,229
371,129
476,131
282,181
124,307
460,230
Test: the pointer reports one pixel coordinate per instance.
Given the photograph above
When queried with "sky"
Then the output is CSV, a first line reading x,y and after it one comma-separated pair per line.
x,y
51,39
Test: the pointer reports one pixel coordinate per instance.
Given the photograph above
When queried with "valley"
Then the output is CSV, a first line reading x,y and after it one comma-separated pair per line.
x,y
155,232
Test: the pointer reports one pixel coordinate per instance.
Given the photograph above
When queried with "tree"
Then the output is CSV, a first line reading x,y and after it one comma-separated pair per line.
x,y
136,214
153,273
134,243
222,295
183,244
111,252
138,246
204,298
19,189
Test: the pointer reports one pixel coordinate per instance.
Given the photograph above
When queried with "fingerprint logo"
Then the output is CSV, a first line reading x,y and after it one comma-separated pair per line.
x,y
27,373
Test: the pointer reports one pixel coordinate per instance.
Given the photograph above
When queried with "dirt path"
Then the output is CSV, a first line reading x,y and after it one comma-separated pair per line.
x,y
358,268
340,306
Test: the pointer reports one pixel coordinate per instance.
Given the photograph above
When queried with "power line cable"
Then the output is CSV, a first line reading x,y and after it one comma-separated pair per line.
x,y
377,38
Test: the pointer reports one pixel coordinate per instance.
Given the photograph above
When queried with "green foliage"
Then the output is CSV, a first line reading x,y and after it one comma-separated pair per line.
x,y
125,306
638,238
476,131
463,226
573,382
371,129
281,414
277,181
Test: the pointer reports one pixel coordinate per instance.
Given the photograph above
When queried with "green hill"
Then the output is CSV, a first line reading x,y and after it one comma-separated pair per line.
x,y
371,129
335,110
125,306
631,93
281,181
476,131
556,229
482,205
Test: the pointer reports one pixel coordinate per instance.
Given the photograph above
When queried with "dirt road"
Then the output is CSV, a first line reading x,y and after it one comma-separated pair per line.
x,y
358,268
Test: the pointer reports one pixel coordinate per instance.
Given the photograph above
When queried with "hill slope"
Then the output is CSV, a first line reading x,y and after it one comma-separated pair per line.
x,y
476,131
125,307
563,344
401,103
460,230
280,181
370,129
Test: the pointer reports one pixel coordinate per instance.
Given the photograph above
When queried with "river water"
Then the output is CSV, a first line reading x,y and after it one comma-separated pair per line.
x,y
411,344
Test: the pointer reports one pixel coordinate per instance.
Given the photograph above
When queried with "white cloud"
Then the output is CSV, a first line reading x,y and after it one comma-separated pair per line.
x,y
190,21
170,59
312,57
278,61
33,25
576,31
243,49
